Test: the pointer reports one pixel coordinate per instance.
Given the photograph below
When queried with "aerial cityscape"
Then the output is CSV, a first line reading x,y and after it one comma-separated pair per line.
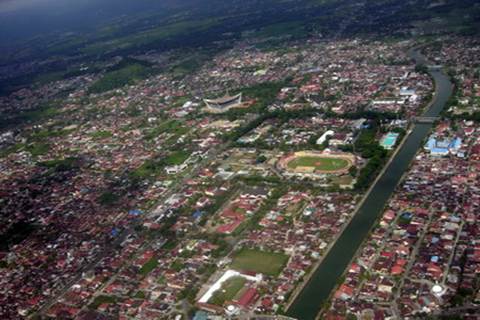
x,y
207,159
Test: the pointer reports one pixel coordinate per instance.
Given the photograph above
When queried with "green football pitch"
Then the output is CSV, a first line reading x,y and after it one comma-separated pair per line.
x,y
320,163
269,263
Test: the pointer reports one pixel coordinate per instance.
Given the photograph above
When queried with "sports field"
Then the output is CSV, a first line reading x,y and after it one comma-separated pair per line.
x,y
269,263
319,163
228,291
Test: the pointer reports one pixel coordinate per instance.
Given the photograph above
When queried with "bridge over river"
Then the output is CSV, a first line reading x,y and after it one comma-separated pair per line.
x,y
308,303
427,120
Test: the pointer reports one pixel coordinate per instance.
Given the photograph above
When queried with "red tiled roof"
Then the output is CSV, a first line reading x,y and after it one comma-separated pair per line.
x,y
396,270
248,297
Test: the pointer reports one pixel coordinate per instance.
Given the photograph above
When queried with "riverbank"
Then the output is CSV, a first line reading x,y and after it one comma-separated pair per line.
x,y
357,207
323,280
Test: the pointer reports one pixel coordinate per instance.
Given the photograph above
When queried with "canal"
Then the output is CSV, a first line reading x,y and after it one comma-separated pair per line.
x,y
316,292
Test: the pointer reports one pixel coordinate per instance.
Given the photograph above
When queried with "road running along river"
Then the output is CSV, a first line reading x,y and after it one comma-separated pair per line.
x,y
310,300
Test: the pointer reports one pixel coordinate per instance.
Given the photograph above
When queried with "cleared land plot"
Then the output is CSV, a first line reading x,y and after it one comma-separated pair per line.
x,y
320,163
228,291
343,180
269,263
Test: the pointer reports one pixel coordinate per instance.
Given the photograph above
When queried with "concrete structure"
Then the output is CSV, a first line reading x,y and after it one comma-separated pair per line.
x,y
324,136
406,91
387,101
227,275
224,103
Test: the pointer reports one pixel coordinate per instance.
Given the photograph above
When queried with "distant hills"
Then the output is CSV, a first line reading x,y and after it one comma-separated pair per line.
x,y
86,30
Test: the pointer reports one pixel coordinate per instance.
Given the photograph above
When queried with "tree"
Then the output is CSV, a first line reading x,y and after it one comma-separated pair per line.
x,y
353,171
421,68
261,159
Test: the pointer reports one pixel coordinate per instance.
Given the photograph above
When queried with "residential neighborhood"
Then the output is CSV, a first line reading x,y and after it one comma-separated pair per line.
x,y
215,188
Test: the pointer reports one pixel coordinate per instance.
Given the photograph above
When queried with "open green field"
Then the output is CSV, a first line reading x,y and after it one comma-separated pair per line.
x,y
151,36
177,157
153,167
127,74
320,163
269,263
228,291
149,266
171,126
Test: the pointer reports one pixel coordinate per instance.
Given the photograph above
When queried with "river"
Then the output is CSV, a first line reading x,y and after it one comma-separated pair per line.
x,y
309,302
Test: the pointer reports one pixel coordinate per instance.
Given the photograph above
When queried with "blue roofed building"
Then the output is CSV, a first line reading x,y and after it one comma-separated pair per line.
x,y
197,214
114,232
443,147
135,212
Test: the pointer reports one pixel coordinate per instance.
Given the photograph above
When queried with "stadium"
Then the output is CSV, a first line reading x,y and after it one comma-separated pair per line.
x,y
316,164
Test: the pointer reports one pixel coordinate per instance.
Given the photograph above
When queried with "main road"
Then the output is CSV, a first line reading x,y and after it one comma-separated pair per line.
x,y
316,292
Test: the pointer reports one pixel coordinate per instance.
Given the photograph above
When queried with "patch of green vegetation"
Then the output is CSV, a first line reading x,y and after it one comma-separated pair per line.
x,y
40,114
177,265
45,134
38,149
149,266
139,295
153,167
60,164
151,36
172,126
12,149
170,244
263,93
102,134
369,148
291,28
126,75
49,77
228,291
404,220
108,198
269,263
149,169
320,163
15,234
177,157
181,101
101,300
186,66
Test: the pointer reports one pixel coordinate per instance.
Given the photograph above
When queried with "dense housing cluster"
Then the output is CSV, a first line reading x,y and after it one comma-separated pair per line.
x,y
137,203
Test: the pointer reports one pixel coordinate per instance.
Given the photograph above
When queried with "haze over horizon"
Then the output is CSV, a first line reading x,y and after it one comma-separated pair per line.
x,y
24,19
